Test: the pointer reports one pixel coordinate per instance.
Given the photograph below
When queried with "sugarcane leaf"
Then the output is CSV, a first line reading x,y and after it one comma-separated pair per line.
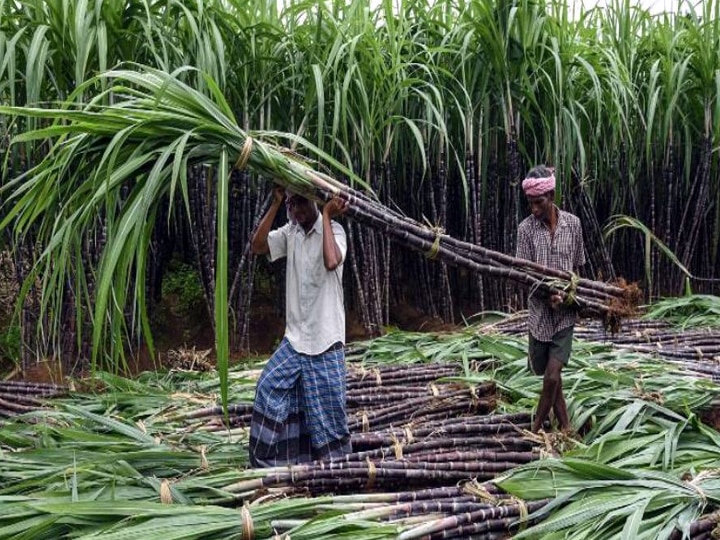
x,y
633,522
221,285
111,424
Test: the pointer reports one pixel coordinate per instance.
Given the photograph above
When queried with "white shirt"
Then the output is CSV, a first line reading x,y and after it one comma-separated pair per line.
x,y
314,306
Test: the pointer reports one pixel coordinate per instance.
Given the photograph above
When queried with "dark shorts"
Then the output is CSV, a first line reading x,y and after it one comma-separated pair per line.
x,y
539,352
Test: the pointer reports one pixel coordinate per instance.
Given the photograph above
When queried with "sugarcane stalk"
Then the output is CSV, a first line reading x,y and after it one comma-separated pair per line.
x,y
484,255
484,515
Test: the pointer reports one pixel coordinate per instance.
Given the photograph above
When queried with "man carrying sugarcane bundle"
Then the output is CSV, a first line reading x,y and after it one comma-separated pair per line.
x,y
299,410
552,238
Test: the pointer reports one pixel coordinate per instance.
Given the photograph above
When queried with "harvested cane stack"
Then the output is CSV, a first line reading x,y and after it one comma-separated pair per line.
x,y
410,429
18,397
608,301
424,451
705,528
611,302
469,510
697,350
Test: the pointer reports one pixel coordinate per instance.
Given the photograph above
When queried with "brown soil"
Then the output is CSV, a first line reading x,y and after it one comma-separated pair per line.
x,y
711,418
173,329
410,318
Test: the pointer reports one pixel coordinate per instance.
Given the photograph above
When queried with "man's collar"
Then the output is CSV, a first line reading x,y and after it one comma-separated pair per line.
x,y
561,222
318,226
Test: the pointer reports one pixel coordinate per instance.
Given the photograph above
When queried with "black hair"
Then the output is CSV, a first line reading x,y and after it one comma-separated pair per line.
x,y
540,171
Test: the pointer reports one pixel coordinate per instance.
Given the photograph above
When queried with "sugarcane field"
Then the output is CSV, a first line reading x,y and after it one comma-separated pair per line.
x,y
359,269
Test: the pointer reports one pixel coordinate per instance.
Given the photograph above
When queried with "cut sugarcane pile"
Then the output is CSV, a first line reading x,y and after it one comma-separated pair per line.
x,y
17,397
411,431
158,440
697,350
408,429
470,510
434,454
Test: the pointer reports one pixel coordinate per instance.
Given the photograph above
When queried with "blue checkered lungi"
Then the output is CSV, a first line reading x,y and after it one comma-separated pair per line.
x,y
299,410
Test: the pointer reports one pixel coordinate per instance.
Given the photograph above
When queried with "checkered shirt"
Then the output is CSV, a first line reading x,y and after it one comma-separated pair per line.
x,y
563,251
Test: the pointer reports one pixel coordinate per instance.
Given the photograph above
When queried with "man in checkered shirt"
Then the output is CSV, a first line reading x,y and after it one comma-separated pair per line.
x,y
552,238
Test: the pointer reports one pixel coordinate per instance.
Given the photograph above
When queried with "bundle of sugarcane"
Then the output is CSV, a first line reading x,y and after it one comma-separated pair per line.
x,y
435,453
610,301
705,528
468,510
151,123
441,403
17,397
359,377
378,398
696,351
393,395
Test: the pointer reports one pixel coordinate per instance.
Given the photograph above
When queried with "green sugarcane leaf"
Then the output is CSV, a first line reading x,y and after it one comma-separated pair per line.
x,y
221,284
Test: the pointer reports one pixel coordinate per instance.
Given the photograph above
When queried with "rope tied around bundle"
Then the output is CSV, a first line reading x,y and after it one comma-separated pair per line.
x,y
365,422
372,473
397,446
435,247
474,399
571,290
203,458
703,475
474,488
248,527
522,509
165,492
244,156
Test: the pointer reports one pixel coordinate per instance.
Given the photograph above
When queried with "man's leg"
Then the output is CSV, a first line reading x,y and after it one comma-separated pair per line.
x,y
324,391
560,350
552,384
560,408
276,427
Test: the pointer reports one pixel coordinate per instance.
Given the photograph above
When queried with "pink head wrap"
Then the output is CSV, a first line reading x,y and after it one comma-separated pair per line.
x,y
534,187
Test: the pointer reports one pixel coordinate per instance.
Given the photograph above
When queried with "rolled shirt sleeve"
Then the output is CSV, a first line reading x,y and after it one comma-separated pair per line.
x,y
340,239
277,242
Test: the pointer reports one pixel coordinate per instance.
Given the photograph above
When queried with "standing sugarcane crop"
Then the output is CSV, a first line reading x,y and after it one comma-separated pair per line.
x,y
552,238
299,410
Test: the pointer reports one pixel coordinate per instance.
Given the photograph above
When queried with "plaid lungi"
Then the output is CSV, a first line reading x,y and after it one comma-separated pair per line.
x,y
299,410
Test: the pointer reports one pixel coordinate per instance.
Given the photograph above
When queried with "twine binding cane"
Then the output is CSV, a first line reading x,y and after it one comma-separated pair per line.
x,y
365,422
244,157
165,493
372,473
522,509
248,528
435,247
571,290
397,446
474,488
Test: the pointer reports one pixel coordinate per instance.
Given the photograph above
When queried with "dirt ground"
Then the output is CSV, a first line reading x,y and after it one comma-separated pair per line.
x,y
177,331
